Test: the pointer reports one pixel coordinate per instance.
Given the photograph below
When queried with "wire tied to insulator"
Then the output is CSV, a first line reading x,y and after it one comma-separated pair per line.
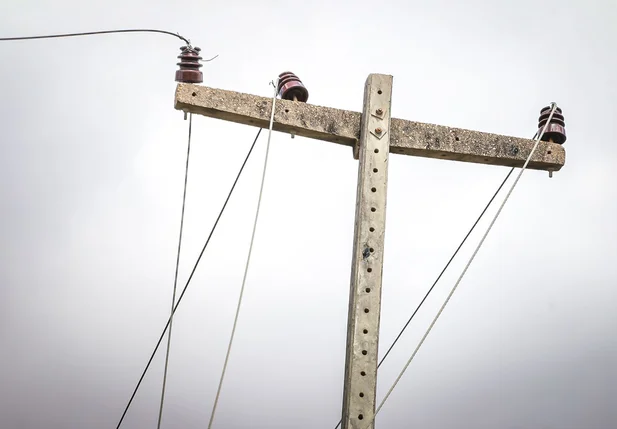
x,y
248,260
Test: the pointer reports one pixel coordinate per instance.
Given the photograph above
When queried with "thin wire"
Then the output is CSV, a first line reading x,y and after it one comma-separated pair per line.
x,y
173,298
90,33
441,273
188,281
468,264
447,265
246,269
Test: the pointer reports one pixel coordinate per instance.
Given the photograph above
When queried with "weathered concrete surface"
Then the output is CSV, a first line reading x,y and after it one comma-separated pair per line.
x,y
343,127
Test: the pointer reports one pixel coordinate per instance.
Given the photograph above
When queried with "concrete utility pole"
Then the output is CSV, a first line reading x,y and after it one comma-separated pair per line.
x,y
373,135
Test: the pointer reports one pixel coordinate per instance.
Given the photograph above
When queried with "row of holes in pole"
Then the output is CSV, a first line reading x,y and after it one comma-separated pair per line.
x,y
368,289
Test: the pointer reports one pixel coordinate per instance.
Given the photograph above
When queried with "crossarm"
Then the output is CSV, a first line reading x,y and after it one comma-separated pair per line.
x,y
343,127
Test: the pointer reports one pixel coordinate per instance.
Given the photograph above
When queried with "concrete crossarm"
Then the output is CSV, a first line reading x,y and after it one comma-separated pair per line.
x,y
343,127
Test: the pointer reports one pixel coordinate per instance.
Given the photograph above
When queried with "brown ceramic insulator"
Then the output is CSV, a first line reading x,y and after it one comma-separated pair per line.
x,y
556,130
189,66
290,87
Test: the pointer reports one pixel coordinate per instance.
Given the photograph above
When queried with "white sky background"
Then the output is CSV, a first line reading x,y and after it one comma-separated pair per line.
x,y
91,173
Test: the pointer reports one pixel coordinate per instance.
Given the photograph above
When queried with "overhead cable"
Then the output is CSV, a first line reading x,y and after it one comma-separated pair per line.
x,y
91,33
188,282
441,273
248,260
173,297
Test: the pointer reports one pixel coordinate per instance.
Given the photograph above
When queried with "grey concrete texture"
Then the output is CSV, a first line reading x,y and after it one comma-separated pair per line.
x,y
343,127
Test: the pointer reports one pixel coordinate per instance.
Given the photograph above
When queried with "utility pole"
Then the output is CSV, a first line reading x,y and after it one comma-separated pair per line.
x,y
373,135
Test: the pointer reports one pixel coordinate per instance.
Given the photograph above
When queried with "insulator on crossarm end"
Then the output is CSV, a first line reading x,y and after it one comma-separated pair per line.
x,y
556,130
292,88
189,66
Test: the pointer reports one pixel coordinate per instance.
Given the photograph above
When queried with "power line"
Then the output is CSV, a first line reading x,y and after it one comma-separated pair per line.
x,y
441,274
188,281
173,298
539,137
446,266
248,260
91,33
490,202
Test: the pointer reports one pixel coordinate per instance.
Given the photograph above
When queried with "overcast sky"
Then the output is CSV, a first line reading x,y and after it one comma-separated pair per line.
x,y
92,158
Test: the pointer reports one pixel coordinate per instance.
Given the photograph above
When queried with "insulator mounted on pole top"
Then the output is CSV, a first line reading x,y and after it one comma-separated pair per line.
x,y
556,130
290,87
189,66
